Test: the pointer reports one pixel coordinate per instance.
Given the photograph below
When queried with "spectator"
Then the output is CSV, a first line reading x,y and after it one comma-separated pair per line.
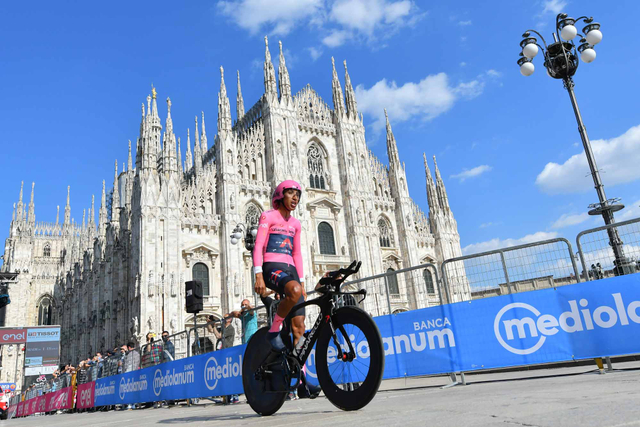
x,y
132,357
151,352
169,350
249,319
226,334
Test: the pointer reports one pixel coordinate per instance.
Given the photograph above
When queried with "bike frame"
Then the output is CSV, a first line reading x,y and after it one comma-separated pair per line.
x,y
327,309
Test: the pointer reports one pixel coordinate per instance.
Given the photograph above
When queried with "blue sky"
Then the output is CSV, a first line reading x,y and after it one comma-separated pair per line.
x,y
74,75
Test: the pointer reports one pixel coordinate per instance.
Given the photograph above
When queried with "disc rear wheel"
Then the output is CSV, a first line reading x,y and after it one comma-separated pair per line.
x,y
350,381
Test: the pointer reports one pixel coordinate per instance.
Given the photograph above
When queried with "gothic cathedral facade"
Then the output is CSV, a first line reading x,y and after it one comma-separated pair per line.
x,y
167,221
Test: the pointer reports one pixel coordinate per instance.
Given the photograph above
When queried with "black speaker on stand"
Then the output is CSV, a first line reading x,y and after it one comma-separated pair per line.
x,y
194,304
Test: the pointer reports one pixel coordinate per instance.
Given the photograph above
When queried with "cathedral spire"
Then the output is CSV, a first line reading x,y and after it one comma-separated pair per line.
x,y
270,88
197,155
102,214
338,100
239,101
67,208
179,153
32,213
169,144
284,83
203,138
130,160
20,204
392,148
441,191
84,215
13,216
92,212
188,156
224,109
154,104
352,105
115,198
431,189
57,214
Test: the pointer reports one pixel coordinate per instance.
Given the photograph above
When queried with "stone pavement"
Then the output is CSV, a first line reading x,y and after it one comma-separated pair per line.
x,y
576,396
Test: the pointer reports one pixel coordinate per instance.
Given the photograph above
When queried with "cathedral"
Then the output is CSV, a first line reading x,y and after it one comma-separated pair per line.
x,y
166,220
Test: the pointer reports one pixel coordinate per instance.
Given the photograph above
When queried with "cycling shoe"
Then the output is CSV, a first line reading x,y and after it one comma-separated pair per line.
x,y
275,340
308,391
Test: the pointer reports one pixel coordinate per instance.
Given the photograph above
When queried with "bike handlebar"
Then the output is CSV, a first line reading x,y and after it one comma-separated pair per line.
x,y
337,277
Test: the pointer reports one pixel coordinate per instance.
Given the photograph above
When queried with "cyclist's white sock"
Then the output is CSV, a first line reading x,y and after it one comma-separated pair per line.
x,y
277,322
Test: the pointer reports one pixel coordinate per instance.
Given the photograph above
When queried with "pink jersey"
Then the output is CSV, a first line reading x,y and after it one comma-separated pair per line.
x,y
278,240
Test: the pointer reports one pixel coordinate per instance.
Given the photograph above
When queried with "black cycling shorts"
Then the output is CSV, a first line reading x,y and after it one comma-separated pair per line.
x,y
276,275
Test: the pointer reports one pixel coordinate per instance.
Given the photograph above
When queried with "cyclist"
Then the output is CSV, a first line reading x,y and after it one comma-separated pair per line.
x,y
277,261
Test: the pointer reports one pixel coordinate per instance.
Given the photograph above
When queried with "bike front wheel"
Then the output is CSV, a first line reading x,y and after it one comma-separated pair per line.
x,y
262,389
350,382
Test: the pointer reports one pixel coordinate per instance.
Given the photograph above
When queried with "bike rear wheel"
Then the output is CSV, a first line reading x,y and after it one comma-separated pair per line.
x,y
260,391
352,382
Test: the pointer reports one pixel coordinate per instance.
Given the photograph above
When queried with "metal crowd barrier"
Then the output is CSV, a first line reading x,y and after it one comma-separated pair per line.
x,y
596,253
397,290
535,265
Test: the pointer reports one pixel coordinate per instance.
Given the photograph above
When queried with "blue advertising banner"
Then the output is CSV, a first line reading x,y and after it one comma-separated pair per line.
x,y
213,374
581,321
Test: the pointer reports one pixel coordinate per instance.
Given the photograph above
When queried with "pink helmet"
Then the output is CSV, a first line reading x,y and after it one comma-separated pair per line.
x,y
278,194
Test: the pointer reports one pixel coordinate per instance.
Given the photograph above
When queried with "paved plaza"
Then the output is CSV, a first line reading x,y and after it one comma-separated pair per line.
x,y
575,396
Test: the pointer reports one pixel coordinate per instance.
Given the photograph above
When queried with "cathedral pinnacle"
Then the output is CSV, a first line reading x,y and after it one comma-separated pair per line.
x,y
130,160
57,214
67,208
153,91
352,106
269,73
338,100
20,205
179,152
431,189
239,101
32,214
84,215
392,148
203,137
188,157
441,191
115,198
283,77
224,109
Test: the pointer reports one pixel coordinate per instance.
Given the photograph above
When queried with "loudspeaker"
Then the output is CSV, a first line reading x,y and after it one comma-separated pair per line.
x,y
194,296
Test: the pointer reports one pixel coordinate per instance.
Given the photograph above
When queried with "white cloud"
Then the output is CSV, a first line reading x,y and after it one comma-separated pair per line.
x,y
342,20
315,52
489,224
618,157
472,173
567,220
277,17
496,243
494,73
336,38
553,6
631,210
464,23
463,64
424,100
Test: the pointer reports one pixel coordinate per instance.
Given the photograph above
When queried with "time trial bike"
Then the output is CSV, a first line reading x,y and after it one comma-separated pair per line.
x,y
349,355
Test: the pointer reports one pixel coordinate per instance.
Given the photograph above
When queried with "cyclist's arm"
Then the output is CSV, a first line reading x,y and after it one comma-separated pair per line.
x,y
261,241
297,253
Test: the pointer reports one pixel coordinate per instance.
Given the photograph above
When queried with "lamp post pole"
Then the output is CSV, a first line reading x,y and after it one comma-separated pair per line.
x,y
561,61
249,236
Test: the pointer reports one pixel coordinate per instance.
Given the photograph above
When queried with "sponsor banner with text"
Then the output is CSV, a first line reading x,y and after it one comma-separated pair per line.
x,y
85,395
13,335
213,374
61,399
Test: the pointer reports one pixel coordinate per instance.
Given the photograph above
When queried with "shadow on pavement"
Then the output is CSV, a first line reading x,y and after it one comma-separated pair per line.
x,y
232,417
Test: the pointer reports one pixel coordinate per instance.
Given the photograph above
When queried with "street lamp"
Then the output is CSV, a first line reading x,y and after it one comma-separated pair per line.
x,y
561,61
249,243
